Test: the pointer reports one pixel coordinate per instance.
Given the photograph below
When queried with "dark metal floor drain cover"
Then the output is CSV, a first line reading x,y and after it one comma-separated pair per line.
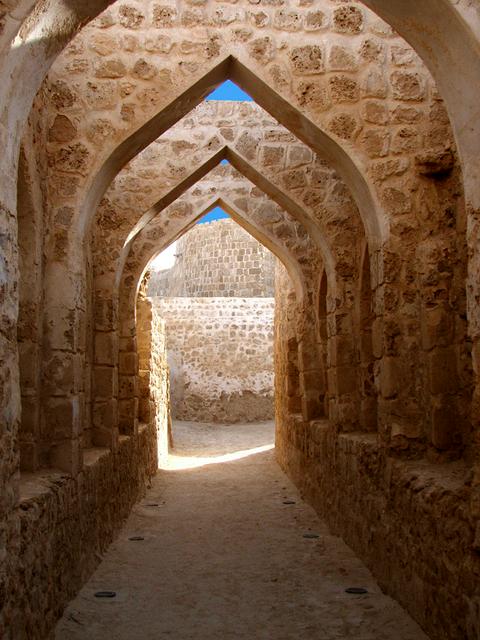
x,y
105,594
153,504
311,535
356,590
289,502
135,538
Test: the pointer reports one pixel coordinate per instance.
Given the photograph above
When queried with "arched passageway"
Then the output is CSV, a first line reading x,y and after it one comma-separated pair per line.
x,y
358,162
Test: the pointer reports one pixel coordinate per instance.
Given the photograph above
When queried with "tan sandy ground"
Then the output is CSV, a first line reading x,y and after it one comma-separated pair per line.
x,y
224,558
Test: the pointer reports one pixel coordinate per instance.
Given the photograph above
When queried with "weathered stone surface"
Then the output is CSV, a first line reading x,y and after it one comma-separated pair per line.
x,y
340,70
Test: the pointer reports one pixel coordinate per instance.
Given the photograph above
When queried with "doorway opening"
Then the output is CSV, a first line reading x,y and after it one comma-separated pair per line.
x,y
212,305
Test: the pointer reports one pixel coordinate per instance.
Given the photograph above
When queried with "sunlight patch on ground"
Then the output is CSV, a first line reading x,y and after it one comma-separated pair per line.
x,y
180,463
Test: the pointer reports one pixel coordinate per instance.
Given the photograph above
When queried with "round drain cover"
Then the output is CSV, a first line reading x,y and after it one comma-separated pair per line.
x,y
311,535
135,538
356,590
105,594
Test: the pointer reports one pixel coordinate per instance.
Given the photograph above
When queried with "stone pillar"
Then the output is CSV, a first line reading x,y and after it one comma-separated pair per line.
x,y
63,389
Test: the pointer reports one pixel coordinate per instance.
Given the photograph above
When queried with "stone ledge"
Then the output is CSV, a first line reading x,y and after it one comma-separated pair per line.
x,y
33,485
92,455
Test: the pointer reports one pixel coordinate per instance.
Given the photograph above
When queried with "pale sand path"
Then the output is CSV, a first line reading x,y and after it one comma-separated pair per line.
x,y
224,558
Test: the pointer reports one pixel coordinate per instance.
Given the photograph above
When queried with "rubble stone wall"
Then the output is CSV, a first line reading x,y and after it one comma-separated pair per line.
x,y
410,520
220,352
65,524
216,307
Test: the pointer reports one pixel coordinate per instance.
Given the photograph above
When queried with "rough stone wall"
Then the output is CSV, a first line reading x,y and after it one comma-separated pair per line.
x,y
216,303
306,74
220,352
159,383
217,259
411,520
64,527
276,228
30,207
447,44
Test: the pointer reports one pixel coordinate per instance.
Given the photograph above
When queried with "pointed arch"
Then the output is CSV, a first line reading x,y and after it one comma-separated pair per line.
x,y
249,172
322,143
292,266
129,288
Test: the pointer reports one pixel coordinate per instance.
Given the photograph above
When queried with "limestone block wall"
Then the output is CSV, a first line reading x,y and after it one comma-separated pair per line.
x,y
221,357
217,259
412,520
215,309
64,525
159,381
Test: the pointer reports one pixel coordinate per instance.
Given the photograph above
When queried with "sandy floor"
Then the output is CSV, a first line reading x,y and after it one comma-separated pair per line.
x,y
223,557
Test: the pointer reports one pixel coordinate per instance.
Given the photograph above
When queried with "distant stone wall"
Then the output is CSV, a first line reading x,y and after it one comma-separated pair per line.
x,y
215,306
220,352
217,259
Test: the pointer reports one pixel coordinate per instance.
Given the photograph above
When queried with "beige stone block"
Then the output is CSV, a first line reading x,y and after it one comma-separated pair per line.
x,y
442,370
128,386
130,17
67,456
105,382
105,414
113,68
127,343
106,348
376,142
437,327
342,351
390,377
312,407
61,417
144,410
313,382
104,437
127,415
309,357
294,405
348,19
343,89
347,380
374,85
128,363
407,86
307,59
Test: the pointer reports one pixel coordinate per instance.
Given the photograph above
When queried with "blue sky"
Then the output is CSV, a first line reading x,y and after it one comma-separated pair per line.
x,y
226,91
215,214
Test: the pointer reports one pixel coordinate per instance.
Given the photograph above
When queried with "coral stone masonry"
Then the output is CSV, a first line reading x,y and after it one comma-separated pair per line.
x,y
217,305
342,297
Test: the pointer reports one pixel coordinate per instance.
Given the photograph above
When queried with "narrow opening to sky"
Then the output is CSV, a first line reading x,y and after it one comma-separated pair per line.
x,y
228,90
215,214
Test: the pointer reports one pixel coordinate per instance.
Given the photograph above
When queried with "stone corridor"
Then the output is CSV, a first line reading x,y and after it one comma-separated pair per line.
x,y
352,156
224,557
